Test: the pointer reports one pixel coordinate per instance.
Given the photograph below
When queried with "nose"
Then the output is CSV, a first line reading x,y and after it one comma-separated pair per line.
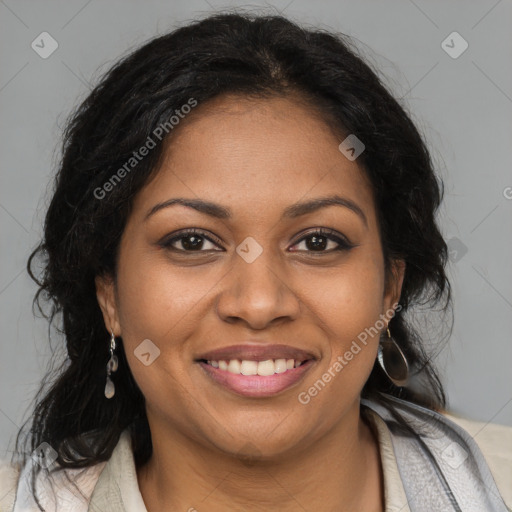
x,y
258,294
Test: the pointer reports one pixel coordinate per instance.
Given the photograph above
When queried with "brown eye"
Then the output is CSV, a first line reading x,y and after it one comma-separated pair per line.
x,y
321,239
190,241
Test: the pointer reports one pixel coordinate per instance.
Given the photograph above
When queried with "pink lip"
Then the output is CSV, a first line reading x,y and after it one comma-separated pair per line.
x,y
257,386
256,352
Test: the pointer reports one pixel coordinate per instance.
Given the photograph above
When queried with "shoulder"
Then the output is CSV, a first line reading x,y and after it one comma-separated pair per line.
x,y
449,440
9,477
495,443
61,489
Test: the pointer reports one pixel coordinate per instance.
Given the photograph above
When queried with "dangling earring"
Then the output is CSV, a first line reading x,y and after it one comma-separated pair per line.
x,y
393,361
112,365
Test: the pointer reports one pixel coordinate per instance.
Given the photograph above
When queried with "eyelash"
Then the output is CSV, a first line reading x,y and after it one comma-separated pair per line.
x,y
343,244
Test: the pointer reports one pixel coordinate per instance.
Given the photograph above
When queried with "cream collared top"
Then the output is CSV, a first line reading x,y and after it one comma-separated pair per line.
x,y
112,486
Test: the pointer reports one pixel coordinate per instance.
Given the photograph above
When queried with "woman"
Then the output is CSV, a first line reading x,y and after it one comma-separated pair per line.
x,y
242,223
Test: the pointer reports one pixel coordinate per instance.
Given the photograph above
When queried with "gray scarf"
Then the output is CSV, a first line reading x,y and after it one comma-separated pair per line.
x,y
441,466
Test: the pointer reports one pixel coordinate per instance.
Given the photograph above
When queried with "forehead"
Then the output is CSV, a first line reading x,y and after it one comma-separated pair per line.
x,y
253,154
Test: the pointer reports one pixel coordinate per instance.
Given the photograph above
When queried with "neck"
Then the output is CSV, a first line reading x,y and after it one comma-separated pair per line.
x,y
340,471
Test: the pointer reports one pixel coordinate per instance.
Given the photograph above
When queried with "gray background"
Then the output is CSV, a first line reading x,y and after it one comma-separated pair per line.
x,y
463,106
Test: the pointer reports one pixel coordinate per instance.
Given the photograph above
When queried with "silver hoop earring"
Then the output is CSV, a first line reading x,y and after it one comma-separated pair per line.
x,y
393,361
112,365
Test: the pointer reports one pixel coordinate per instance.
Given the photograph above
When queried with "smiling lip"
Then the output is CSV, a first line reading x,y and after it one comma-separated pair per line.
x,y
257,386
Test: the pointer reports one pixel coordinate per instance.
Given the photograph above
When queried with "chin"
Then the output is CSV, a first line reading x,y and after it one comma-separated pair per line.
x,y
258,441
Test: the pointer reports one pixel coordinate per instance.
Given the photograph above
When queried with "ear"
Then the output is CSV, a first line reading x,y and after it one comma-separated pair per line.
x,y
394,283
105,293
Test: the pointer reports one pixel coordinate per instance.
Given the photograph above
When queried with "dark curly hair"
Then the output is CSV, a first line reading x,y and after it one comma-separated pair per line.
x,y
250,55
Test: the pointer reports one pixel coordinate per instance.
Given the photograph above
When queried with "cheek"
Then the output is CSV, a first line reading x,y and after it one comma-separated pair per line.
x,y
349,310
158,305
157,300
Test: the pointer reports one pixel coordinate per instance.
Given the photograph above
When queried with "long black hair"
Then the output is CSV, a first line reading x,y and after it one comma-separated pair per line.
x,y
251,55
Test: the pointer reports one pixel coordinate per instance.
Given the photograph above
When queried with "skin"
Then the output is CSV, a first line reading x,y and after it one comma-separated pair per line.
x,y
212,449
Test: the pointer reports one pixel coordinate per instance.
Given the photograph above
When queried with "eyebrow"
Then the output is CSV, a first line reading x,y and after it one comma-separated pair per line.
x,y
290,212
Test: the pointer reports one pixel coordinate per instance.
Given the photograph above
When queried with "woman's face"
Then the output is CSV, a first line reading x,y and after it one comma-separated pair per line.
x,y
250,280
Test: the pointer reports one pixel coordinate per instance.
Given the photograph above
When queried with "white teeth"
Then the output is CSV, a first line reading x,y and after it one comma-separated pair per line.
x,y
280,365
248,367
234,366
263,368
266,367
